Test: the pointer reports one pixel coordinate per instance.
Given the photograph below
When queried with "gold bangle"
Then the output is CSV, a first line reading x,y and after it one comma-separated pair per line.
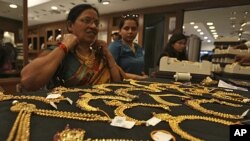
x,y
163,131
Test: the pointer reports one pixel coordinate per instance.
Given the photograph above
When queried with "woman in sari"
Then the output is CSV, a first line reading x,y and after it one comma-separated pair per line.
x,y
80,59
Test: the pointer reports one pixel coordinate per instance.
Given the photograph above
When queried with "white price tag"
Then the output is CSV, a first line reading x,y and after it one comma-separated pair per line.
x,y
161,136
153,121
53,96
122,122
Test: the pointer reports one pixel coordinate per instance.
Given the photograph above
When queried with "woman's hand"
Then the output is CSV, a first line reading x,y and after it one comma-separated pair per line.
x,y
242,59
70,41
99,44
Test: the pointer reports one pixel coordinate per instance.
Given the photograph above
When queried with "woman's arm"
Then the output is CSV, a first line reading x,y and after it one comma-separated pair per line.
x,y
39,72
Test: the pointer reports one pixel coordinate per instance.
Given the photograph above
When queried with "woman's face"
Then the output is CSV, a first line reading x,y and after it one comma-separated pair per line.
x,y
129,31
85,26
180,45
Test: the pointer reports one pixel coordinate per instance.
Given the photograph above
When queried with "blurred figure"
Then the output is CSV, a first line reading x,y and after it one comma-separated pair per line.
x,y
115,36
176,47
242,59
7,57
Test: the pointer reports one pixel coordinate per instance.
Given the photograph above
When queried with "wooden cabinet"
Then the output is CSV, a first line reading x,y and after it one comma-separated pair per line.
x,y
53,36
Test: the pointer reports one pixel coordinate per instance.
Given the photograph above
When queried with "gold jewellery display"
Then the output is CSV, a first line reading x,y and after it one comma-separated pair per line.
x,y
174,123
196,104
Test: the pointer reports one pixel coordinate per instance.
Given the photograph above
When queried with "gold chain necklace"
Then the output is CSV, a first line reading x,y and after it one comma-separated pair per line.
x,y
162,101
231,96
135,83
83,101
104,86
124,92
4,97
174,122
61,90
119,111
196,104
78,135
89,60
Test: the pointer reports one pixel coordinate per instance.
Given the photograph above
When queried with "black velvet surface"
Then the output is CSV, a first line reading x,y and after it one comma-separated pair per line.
x,y
44,128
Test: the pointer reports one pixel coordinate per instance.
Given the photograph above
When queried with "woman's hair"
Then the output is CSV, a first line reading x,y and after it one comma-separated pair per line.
x,y
169,49
77,10
125,18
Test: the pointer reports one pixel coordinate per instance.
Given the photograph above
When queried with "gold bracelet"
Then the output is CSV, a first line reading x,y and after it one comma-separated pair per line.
x,y
196,104
174,122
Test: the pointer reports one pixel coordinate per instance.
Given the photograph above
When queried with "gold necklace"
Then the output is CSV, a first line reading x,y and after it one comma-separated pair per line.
x,y
174,122
162,101
61,90
83,101
164,86
196,104
134,82
124,92
78,135
104,86
4,97
231,96
119,111
89,60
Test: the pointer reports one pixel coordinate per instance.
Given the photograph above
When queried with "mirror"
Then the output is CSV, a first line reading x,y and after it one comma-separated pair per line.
x,y
11,38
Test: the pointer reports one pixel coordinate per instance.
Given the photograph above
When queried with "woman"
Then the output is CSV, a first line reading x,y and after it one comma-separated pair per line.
x,y
80,59
176,47
127,54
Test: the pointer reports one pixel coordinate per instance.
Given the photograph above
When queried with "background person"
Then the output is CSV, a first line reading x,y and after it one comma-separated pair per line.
x,y
127,54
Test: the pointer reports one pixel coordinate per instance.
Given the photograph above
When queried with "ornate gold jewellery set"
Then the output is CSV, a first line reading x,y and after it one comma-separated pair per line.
x,y
121,98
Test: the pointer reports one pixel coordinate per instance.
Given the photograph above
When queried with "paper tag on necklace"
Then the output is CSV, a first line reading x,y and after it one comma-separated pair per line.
x,y
153,121
161,136
244,113
119,121
53,96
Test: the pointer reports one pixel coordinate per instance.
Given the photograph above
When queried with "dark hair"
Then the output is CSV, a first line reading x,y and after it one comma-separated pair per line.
x,y
169,49
77,10
125,18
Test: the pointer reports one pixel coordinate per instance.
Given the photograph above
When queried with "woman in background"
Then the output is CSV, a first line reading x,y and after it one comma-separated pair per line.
x,y
127,54
176,47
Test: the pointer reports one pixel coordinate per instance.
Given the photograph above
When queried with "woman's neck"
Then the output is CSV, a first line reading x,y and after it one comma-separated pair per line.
x,y
127,43
84,49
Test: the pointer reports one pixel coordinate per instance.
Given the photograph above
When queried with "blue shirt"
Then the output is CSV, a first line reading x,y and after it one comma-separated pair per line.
x,y
128,60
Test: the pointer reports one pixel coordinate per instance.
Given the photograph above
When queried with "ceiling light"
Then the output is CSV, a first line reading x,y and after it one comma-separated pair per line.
x,y
54,8
211,27
105,2
201,33
208,41
214,33
192,23
196,26
215,36
205,37
183,27
210,23
198,30
213,30
13,6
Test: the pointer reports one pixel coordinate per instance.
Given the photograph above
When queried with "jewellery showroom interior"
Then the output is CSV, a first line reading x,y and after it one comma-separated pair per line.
x,y
192,87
